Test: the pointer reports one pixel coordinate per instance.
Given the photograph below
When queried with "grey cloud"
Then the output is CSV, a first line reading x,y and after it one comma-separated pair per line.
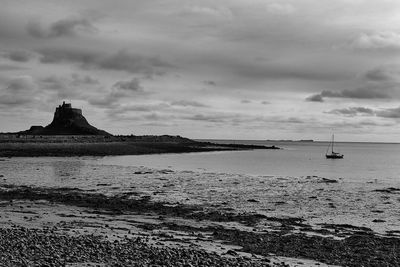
x,y
54,82
315,98
18,55
265,102
363,93
119,61
132,85
123,60
68,87
146,108
372,123
206,14
216,118
293,120
386,40
159,124
280,8
188,103
353,111
59,87
389,113
65,27
156,117
7,67
278,119
381,83
19,91
358,93
384,73
83,57
286,72
120,90
245,101
86,80
212,83
123,110
58,82
106,101
237,119
328,93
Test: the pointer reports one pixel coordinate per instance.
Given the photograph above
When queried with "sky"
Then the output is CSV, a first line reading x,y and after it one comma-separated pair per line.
x,y
229,69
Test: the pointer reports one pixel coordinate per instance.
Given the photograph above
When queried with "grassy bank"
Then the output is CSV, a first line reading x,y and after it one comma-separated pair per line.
x,y
34,149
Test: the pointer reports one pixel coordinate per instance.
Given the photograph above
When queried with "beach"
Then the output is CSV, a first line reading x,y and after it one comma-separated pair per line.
x,y
80,211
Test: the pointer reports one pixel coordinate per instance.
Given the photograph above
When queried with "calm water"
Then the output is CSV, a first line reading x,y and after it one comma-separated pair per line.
x,y
281,181
361,160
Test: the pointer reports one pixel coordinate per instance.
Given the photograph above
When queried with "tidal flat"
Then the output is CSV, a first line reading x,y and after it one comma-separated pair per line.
x,y
126,216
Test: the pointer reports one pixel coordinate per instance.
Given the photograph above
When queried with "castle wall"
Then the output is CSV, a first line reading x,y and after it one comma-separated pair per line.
x,y
76,111
65,109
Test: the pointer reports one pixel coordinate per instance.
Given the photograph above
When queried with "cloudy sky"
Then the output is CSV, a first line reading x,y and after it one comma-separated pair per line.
x,y
234,69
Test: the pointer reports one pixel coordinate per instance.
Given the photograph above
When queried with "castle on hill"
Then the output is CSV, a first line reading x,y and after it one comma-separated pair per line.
x,y
66,121
65,108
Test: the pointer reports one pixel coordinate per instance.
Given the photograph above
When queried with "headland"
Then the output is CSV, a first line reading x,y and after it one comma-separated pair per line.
x,y
70,134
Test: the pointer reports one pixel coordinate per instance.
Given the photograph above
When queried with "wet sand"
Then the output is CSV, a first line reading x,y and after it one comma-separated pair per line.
x,y
74,227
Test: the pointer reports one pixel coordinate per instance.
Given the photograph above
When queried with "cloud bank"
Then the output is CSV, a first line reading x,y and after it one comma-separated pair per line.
x,y
67,27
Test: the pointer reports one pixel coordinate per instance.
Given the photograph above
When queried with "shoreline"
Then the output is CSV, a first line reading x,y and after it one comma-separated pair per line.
x,y
190,234
135,216
96,146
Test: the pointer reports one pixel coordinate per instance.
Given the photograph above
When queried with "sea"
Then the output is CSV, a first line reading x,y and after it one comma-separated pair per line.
x,y
294,181
362,161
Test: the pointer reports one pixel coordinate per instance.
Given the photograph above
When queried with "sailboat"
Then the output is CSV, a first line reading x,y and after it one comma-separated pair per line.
x,y
332,155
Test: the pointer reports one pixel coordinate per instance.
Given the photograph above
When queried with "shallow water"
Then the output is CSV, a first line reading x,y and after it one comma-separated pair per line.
x,y
278,183
362,161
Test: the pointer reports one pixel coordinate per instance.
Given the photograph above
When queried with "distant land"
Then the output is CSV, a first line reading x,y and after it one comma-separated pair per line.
x,y
70,134
302,140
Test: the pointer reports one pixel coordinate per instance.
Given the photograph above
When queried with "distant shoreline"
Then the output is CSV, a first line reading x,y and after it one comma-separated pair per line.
x,y
288,141
65,146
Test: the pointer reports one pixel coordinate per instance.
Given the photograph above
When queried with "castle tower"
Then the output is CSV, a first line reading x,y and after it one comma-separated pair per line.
x,y
70,121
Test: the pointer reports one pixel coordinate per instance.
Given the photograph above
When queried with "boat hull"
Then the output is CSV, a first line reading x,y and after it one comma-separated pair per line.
x,y
334,156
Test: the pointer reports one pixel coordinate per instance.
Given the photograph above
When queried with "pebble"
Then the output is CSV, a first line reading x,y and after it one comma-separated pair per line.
x,y
38,247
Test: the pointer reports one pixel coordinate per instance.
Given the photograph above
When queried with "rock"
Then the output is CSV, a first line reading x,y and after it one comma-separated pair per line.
x,y
377,211
328,181
390,190
103,184
232,253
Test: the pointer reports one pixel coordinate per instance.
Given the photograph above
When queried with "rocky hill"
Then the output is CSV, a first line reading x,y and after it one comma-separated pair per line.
x,y
66,121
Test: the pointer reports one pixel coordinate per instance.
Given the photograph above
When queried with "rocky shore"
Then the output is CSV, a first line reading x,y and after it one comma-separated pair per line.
x,y
67,226
21,246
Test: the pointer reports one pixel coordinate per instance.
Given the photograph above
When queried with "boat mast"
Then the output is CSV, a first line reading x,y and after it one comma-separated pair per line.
x,y
333,140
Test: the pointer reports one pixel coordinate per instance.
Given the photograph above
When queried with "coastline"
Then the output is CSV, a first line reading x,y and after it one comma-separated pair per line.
x,y
69,146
